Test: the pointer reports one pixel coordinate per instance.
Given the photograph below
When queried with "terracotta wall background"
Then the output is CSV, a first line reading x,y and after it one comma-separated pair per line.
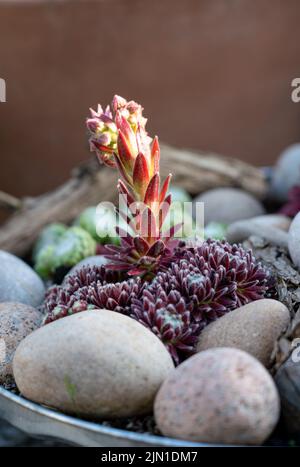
x,y
212,74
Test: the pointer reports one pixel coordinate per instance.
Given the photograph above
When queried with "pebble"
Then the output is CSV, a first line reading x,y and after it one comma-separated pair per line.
x,y
239,231
288,384
294,240
286,173
221,396
16,322
227,205
96,364
19,283
254,328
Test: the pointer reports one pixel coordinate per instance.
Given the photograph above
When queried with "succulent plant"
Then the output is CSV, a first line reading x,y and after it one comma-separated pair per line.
x,y
67,249
209,281
48,236
119,138
167,314
90,288
231,267
204,283
174,288
99,222
44,262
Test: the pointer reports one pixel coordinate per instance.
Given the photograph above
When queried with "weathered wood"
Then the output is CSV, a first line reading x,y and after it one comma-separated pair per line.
x,y
9,202
200,171
91,184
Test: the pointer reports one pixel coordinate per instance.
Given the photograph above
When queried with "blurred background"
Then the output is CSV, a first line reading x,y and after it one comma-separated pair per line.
x,y
212,75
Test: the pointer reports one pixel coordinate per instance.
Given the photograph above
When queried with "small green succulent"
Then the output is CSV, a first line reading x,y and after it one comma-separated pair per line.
x,y
100,223
49,236
75,245
65,251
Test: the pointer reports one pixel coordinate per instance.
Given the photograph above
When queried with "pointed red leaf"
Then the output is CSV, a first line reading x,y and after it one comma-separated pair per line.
x,y
164,209
141,245
140,175
165,188
155,155
152,193
123,190
148,228
112,249
124,126
135,272
122,170
156,249
124,152
101,147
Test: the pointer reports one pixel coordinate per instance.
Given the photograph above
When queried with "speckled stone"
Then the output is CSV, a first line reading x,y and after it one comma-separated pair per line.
x,y
220,396
18,282
254,328
228,205
98,364
16,322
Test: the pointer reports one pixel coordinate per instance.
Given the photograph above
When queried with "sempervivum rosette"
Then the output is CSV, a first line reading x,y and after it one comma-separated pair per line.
x,y
206,283
166,313
65,299
232,266
115,297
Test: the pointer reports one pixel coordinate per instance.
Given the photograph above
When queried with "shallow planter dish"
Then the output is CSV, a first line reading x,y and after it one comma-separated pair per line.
x,y
37,420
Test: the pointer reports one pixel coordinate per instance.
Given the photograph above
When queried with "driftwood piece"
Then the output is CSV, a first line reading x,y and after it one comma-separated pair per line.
x,y
200,171
9,202
91,184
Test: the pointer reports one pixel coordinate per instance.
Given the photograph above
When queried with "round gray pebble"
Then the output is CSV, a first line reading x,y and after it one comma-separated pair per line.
x,y
19,283
286,172
228,205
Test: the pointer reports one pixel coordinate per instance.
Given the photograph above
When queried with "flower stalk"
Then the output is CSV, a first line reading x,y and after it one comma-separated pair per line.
x,y
120,140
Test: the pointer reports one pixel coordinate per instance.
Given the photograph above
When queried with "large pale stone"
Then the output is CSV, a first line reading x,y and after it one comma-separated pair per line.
x,y
96,364
253,328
